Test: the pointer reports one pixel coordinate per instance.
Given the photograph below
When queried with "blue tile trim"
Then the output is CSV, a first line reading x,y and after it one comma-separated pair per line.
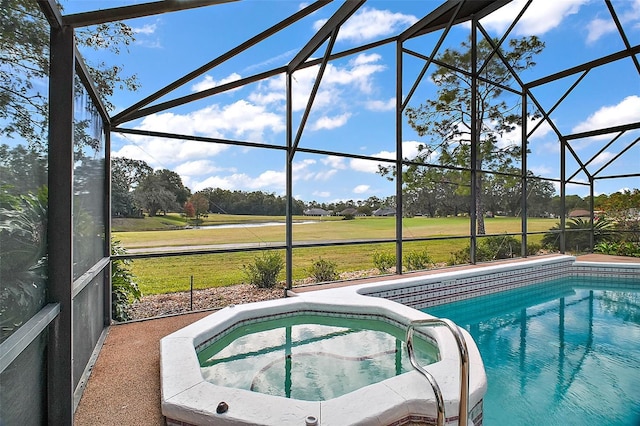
x,y
452,289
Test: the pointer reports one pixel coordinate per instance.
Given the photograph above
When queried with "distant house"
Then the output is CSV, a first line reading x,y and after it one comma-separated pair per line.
x,y
384,211
579,213
349,211
316,212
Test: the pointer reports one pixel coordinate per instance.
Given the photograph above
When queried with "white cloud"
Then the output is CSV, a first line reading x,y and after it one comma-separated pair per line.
x,y
326,175
166,153
368,24
376,105
541,17
602,158
541,170
331,122
208,82
298,167
598,27
229,121
144,35
361,189
334,162
550,148
278,60
322,194
145,29
370,166
268,179
356,75
271,179
409,150
625,112
543,130
195,168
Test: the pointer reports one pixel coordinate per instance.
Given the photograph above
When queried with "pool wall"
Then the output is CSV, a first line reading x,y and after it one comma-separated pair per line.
x,y
425,291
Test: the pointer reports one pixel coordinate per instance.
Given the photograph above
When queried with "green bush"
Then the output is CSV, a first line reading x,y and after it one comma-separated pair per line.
x,y
124,289
497,247
264,271
417,260
625,248
324,270
533,248
577,237
493,248
384,261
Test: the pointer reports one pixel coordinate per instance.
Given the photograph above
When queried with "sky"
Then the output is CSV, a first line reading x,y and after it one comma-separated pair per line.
x,y
354,110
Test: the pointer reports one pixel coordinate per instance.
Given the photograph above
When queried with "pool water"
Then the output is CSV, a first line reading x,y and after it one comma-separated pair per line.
x,y
310,357
566,352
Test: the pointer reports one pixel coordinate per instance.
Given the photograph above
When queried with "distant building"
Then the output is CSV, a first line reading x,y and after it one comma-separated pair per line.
x,y
349,211
384,211
316,212
579,213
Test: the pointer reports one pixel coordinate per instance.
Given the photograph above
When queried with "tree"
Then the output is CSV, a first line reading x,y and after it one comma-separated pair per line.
x,y
22,169
189,210
447,119
172,181
161,190
24,55
199,203
126,175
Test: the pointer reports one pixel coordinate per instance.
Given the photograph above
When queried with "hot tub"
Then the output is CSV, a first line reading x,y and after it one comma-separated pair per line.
x,y
192,394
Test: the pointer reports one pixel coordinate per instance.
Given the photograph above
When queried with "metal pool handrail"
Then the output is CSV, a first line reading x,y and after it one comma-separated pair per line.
x,y
463,412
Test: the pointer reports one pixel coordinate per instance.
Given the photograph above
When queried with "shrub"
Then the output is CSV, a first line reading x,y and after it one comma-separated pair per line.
x,y
578,234
497,247
384,261
625,248
124,289
533,248
324,270
416,260
492,248
264,271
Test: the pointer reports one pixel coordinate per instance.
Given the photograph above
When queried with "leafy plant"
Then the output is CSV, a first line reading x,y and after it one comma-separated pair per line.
x,y
124,289
416,260
578,235
384,261
264,270
23,268
493,248
623,248
324,270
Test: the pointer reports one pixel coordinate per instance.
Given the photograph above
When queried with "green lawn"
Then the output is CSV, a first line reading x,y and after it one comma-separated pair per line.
x,y
323,230
170,274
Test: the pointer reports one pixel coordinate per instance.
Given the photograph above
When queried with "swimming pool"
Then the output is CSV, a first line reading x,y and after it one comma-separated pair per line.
x,y
564,352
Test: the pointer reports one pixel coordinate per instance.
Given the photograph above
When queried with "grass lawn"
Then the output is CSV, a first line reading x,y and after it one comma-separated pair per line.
x,y
171,274
365,228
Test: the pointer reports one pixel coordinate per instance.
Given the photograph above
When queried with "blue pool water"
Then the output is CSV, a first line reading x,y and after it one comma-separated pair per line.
x,y
310,357
566,352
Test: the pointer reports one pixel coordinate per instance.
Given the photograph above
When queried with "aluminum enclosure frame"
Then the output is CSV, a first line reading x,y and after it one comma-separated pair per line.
x,y
65,59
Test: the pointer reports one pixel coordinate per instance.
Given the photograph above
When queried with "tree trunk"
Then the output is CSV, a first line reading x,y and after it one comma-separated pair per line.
x,y
479,200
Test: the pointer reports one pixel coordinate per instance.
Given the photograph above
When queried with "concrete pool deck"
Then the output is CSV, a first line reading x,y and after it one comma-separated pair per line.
x,y
124,386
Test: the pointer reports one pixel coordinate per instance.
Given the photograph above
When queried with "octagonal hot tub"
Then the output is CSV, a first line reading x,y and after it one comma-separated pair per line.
x,y
298,360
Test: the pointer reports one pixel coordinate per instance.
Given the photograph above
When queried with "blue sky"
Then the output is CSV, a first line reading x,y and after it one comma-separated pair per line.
x,y
354,109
